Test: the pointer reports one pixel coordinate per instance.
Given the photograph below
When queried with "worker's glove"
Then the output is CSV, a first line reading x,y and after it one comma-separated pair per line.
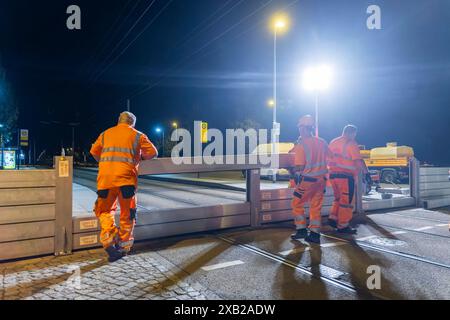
x,y
368,178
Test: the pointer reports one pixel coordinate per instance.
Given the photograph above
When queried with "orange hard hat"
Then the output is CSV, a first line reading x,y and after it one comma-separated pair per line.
x,y
306,121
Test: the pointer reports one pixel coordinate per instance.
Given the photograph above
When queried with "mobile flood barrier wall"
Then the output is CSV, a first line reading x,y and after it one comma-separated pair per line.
x,y
36,207
36,211
168,222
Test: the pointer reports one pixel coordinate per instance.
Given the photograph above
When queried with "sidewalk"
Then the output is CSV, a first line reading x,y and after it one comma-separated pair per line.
x,y
87,275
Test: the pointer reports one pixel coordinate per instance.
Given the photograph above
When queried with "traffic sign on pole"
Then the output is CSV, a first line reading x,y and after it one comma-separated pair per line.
x,y
204,134
24,137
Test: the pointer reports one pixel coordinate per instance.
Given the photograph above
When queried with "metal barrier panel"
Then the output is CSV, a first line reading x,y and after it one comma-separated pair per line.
x,y
30,210
165,223
434,187
171,222
276,205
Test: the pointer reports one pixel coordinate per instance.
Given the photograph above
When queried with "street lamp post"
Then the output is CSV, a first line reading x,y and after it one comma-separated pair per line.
x,y
317,79
279,24
175,126
160,130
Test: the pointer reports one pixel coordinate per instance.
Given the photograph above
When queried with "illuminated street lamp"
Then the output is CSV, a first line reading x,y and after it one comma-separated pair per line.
x,y
175,126
317,79
271,103
279,24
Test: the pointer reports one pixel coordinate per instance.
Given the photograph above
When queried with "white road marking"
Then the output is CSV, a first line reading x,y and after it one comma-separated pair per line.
x,y
222,265
443,225
366,238
295,250
423,228
333,244
399,232
303,249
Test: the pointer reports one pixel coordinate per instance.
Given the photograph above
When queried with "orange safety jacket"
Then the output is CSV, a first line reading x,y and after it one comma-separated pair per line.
x,y
344,153
312,153
120,150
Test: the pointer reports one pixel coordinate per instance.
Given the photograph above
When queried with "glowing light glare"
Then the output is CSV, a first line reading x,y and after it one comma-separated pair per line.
x,y
174,124
317,78
271,103
158,130
279,23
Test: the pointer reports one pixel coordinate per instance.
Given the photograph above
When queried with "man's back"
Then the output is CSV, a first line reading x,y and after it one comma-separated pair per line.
x,y
344,153
120,149
312,153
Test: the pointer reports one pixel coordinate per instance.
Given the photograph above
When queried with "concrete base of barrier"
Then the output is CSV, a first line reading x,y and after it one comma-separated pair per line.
x,y
436,203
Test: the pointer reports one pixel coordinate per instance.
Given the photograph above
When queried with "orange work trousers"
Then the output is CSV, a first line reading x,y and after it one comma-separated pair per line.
x,y
105,209
308,190
344,190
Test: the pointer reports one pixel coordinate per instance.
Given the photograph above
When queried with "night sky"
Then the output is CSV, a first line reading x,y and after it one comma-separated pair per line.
x,y
212,60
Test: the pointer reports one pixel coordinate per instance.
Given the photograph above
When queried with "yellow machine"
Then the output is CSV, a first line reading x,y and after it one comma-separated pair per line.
x,y
391,162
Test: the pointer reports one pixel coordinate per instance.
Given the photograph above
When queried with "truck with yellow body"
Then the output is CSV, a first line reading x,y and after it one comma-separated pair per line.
x,y
390,162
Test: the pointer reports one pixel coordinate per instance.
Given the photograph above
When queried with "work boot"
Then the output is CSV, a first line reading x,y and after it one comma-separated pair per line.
x,y
332,223
300,234
125,251
113,254
347,230
313,237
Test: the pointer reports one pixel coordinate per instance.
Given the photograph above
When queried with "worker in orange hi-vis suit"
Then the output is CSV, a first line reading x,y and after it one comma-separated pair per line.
x,y
310,177
344,165
119,151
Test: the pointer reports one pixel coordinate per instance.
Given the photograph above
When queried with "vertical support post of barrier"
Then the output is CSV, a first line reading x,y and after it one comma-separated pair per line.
x,y
359,209
253,183
414,180
63,224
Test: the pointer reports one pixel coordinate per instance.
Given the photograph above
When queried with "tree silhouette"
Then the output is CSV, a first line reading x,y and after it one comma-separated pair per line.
x,y
8,108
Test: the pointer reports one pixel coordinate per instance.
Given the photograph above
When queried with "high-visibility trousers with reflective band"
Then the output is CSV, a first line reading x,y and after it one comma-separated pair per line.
x,y
105,209
344,190
309,190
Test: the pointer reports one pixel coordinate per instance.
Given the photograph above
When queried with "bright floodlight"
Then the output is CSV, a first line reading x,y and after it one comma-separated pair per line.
x,y
271,103
158,130
280,24
317,78
174,124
